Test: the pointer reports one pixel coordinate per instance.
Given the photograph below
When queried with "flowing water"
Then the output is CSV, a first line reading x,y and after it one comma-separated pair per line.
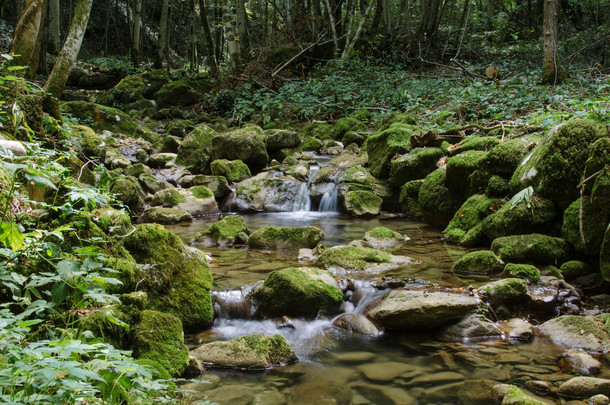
x,y
336,367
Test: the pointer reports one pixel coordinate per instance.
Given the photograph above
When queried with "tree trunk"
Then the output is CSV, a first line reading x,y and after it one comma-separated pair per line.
x,y
333,30
208,39
242,30
162,35
136,33
388,19
59,75
54,45
352,41
27,35
552,72
232,44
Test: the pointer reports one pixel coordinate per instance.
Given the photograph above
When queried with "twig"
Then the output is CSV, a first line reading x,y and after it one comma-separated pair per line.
x,y
465,70
297,55
582,183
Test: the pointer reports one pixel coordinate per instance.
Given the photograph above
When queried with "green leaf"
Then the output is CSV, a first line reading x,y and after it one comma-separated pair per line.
x,y
67,268
38,178
523,195
11,236
59,293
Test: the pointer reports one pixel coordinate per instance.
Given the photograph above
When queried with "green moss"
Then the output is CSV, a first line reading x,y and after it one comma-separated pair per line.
x,y
515,396
505,157
460,167
352,137
481,143
519,218
533,248
125,270
179,127
362,203
195,151
112,221
408,199
86,233
506,290
201,192
585,325
344,125
169,197
183,93
228,227
297,292
574,269
594,224
556,166
497,187
470,214
604,256
437,203
317,130
383,146
137,169
246,144
479,262
89,142
395,117
381,232
311,143
158,337
352,258
106,324
277,237
417,164
599,157
357,175
233,170
525,271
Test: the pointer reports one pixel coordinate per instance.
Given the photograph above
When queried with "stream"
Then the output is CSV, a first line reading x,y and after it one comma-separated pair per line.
x,y
336,367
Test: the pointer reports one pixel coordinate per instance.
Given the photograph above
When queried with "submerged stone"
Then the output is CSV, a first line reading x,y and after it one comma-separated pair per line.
x,y
357,324
247,352
584,387
278,237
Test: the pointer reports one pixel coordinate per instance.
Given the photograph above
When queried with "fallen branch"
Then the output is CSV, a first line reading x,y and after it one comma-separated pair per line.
x,y
299,54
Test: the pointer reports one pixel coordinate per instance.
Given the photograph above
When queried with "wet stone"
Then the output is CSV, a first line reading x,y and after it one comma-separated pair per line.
x,y
437,379
510,358
385,394
384,371
354,357
231,395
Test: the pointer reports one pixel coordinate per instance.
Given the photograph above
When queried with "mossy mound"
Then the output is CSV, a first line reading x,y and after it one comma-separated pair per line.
x,y
383,146
225,232
183,92
278,237
277,139
250,352
505,292
165,215
409,198
352,258
604,256
599,157
362,203
159,338
195,151
416,164
179,127
311,143
100,117
233,170
153,184
317,130
438,204
594,223
109,323
246,144
480,143
345,125
112,221
298,291
384,237
134,88
519,218
465,227
218,184
556,166
532,248
574,269
357,175
525,271
395,117
178,277
479,262
505,157
497,187
460,167
88,141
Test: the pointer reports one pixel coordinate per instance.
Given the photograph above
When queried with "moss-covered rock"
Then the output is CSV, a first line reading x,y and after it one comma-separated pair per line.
x,y
383,146
233,170
416,164
134,88
532,248
362,203
437,202
246,144
594,223
112,221
311,143
177,277
599,157
317,130
128,191
604,256
298,291
109,323
344,125
353,138
249,352
352,258
137,169
580,332
165,215
556,166
512,395
480,143
519,218
195,151
525,271
409,198
278,237
573,269
382,237
468,219
183,92
479,262
158,337
218,184
266,192
505,292
179,127
505,157
88,141
460,167
153,184
197,200
395,117
225,232
100,117
497,187
277,139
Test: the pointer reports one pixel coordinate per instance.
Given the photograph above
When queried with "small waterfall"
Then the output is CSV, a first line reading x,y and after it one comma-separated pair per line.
x,y
227,202
362,297
233,303
329,203
302,201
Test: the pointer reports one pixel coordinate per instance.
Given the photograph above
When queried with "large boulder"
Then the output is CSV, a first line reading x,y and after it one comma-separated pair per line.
x,y
182,92
165,215
226,232
533,248
382,237
298,291
128,191
158,338
383,146
438,204
135,88
460,167
505,292
588,333
197,201
278,237
504,158
585,387
409,198
465,227
416,164
267,192
195,151
356,323
604,256
595,219
249,352
362,203
218,184
176,275
232,170
415,310
246,144
556,165
277,139
536,215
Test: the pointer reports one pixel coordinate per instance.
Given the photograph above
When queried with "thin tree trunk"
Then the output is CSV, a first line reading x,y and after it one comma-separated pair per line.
x,y
162,35
56,82
136,33
219,37
242,30
333,29
387,16
54,44
552,72
352,41
27,35
232,44
208,39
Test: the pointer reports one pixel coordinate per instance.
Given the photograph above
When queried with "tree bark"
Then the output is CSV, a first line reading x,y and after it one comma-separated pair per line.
x,y
136,33
232,44
333,28
54,45
242,30
208,39
162,35
27,34
552,72
352,41
56,82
